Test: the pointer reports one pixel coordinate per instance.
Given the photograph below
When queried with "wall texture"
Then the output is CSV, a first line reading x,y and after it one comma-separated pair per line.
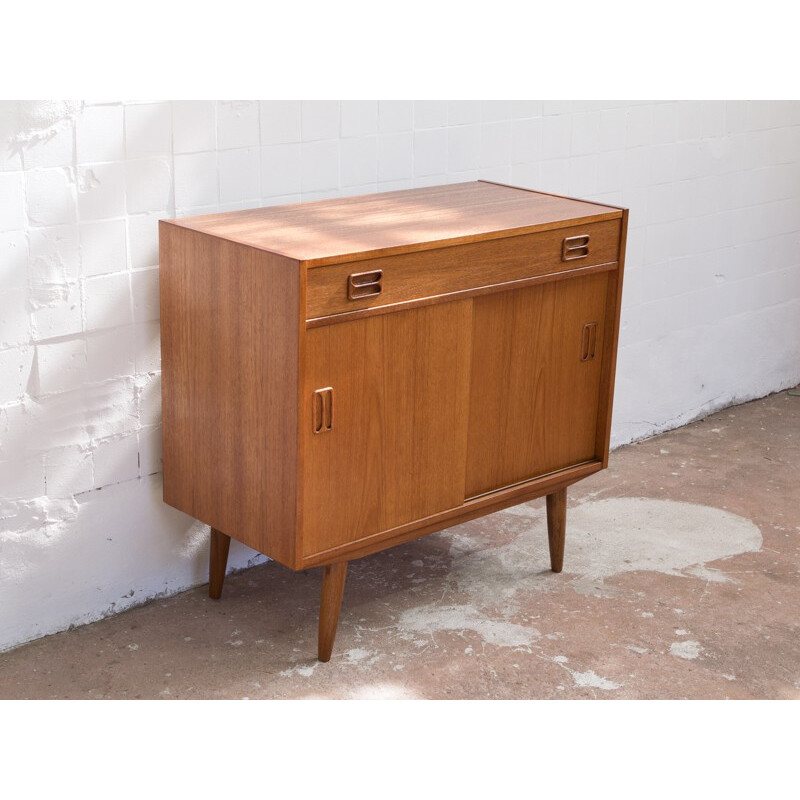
x,y
711,312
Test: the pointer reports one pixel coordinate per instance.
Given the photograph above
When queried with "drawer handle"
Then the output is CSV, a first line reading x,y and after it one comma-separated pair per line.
x,y
575,247
588,341
364,284
322,410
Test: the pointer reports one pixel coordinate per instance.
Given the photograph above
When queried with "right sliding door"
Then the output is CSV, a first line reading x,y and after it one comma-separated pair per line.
x,y
537,354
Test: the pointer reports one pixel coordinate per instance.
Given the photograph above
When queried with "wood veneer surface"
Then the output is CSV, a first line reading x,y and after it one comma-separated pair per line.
x,y
341,229
230,361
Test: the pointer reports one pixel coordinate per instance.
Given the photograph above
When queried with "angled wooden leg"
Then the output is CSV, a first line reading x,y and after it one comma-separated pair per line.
x,y
333,577
557,527
217,562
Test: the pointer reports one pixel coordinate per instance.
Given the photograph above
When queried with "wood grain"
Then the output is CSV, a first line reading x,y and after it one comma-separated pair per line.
x,y
217,562
229,359
557,527
397,448
434,273
349,316
351,228
333,580
470,509
609,371
460,389
533,402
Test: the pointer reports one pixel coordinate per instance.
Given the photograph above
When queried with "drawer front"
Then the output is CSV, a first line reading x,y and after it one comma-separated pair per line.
x,y
387,281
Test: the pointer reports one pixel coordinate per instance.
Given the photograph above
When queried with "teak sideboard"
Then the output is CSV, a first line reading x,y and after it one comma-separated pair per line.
x,y
345,375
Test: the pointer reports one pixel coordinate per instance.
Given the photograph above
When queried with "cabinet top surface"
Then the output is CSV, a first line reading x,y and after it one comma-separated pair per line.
x,y
331,231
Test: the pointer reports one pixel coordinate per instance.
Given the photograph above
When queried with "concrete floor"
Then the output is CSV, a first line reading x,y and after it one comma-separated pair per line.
x,y
681,580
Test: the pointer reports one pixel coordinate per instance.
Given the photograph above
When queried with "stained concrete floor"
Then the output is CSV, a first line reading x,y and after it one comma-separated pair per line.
x,y
681,580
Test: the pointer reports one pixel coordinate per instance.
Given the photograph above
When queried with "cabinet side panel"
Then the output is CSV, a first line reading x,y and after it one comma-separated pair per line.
x,y
229,387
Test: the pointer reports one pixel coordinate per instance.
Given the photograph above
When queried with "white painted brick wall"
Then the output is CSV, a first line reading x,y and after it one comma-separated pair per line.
x,y
711,308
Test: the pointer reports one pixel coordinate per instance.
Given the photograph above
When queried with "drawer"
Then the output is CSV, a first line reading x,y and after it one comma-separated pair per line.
x,y
375,282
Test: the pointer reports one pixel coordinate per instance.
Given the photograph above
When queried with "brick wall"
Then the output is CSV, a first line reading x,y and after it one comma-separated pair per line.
x,y
711,311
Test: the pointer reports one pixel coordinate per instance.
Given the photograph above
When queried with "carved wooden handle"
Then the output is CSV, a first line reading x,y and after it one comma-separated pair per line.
x,y
575,247
364,284
588,341
322,410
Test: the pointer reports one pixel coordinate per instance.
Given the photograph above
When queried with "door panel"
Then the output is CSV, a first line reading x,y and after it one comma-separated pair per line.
x,y
534,383
396,445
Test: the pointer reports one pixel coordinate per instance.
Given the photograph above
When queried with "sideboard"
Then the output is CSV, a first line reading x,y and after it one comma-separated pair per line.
x,y
345,375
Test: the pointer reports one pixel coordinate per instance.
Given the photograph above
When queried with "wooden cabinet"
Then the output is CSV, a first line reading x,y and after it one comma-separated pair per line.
x,y
342,376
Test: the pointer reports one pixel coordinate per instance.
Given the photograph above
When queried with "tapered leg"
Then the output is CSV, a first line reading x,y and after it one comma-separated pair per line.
x,y
557,527
217,562
333,577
